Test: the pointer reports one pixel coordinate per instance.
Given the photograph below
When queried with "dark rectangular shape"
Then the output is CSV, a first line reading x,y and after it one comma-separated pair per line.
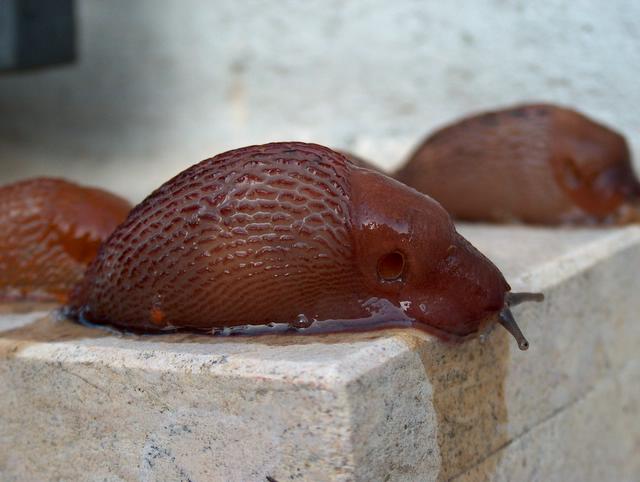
x,y
36,33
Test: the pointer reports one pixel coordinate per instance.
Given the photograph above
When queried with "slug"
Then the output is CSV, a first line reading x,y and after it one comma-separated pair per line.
x,y
538,164
291,234
51,230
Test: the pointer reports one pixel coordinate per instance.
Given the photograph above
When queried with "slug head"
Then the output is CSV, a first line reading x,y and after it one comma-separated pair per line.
x,y
592,164
410,253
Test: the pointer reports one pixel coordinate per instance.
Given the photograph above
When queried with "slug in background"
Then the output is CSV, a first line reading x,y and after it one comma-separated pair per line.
x,y
51,230
538,164
292,234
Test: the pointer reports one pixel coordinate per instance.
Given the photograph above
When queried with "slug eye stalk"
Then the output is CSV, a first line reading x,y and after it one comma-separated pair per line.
x,y
507,320
514,299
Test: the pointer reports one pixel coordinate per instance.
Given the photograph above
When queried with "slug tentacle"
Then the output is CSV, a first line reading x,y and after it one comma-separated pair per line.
x,y
514,299
507,320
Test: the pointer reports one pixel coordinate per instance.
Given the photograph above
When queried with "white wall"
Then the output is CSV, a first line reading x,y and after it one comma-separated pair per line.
x,y
161,84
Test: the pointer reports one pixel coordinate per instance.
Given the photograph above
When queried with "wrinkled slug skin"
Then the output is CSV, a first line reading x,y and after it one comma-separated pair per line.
x,y
265,233
50,230
537,164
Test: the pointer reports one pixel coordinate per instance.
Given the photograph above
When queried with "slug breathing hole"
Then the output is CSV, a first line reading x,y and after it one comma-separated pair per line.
x,y
391,266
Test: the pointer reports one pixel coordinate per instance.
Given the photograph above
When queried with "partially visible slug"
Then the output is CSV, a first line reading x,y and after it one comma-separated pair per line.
x,y
50,230
538,164
294,234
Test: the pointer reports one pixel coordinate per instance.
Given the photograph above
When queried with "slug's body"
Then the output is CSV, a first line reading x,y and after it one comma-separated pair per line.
x,y
537,164
50,230
289,233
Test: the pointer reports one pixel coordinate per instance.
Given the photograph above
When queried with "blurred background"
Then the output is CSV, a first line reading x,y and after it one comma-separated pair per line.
x,y
150,87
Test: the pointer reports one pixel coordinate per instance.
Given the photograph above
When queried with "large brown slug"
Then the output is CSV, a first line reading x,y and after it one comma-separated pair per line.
x,y
293,234
538,164
51,230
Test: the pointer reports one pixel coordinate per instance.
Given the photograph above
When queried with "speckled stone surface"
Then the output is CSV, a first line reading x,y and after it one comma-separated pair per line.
x,y
84,404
